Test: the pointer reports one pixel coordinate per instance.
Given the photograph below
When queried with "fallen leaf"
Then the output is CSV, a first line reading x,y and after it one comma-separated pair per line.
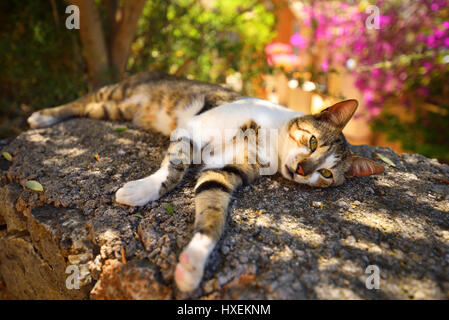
x,y
441,180
120,129
139,216
97,156
169,209
122,252
7,156
34,185
386,159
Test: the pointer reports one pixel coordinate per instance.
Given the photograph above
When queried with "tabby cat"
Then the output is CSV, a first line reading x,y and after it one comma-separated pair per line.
x,y
310,149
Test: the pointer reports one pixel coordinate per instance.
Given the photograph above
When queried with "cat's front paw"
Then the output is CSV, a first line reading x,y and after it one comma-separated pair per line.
x,y
39,120
138,192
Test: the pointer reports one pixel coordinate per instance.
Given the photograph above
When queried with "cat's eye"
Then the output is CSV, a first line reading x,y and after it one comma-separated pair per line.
x,y
313,143
325,173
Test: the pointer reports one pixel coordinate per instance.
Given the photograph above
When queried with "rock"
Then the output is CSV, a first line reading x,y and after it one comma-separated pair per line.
x,y
129,281
73,241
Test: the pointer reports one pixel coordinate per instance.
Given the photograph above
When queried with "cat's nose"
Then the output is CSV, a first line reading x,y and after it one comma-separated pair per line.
x,y
300,170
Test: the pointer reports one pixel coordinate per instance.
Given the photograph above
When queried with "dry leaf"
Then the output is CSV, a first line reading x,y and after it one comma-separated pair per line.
x,y
122,252
7,156
386,159
441,180
34,185
97,156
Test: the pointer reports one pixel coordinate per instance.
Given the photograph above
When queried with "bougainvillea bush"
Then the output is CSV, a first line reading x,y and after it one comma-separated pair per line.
x,y
400,54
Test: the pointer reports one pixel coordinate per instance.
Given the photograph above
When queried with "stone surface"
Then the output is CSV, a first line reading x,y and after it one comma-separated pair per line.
x,y
282,240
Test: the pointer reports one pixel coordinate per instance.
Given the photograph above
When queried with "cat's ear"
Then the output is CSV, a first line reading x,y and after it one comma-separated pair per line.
x,y
340,113
361,167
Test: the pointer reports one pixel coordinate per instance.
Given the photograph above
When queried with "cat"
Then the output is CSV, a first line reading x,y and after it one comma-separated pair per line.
x,y
310,149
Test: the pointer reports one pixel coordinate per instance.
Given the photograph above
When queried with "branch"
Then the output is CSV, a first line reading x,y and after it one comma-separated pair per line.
x,y
183,66
54,10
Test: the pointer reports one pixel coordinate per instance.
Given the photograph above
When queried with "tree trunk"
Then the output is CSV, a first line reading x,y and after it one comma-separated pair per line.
x,y
123,33
106,58
93,41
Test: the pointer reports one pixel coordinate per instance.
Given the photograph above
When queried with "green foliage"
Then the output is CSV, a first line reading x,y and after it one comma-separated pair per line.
x,y
427,131
169,209
40,63
183,36
427,135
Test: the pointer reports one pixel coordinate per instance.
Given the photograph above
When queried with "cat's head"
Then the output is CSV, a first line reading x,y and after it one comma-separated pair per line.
x,y
316,153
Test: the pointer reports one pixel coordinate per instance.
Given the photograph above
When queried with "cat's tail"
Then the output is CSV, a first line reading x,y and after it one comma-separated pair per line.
x,y
101,104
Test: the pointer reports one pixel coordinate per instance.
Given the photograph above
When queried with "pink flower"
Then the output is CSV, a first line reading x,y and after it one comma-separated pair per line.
x,y
384,20
387,47
389,85
421,37
360,83
424,91
339,58
298,41
446,42
287,61
325,65
428,65
375,72
368,96
278,47
374,110
445,25
307,21
439,33
431,41
320,32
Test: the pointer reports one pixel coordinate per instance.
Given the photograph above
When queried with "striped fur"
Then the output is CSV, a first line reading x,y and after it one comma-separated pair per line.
x,y
212,193
181,108
146,99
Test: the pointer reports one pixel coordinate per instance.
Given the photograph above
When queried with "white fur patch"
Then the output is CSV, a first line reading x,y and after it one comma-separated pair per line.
x,y
314,178
38,120
192,260
183,114
330,161
298,134
162,122
142,191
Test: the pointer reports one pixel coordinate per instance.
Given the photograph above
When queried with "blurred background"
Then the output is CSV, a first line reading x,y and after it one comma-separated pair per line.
x,y
393,56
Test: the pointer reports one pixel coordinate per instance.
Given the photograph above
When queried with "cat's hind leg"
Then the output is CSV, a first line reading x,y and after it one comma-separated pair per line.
x,y
50,116
212,194
151,188
101,104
